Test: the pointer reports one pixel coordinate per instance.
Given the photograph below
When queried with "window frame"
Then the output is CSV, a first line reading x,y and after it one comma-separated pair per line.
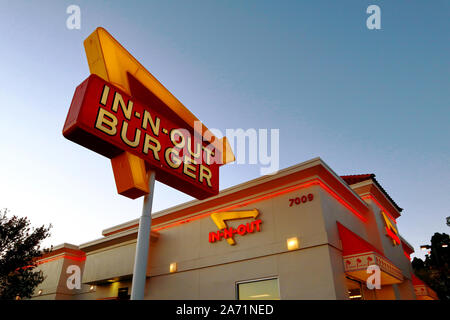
x,y
360,287
237,283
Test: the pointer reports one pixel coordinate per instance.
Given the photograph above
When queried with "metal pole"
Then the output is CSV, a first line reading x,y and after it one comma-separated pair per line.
x,y
143,243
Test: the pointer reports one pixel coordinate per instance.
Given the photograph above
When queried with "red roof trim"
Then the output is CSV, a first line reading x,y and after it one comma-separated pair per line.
x,y
73,252
355,204
356,178
407,248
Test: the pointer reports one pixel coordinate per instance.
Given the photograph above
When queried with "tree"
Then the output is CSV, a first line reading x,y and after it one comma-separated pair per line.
x,y
19,248
435,270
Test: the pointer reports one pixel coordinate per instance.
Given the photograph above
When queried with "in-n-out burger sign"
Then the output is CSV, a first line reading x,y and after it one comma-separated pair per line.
x,y
122,112
226,232
105,119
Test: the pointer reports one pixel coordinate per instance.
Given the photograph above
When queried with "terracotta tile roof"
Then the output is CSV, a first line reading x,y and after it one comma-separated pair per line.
x,y
356,178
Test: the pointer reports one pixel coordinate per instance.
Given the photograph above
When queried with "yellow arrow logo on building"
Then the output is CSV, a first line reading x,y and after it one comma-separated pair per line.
x,y
219,219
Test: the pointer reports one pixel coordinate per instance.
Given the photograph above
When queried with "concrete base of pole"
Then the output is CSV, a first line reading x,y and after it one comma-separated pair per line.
x,y
143,243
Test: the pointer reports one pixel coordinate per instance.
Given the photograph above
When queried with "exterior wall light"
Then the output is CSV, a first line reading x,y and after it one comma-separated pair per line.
x,y
292,243
40,292
173,267
92,288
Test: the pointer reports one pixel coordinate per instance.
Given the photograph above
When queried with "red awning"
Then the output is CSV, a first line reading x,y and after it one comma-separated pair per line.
x,y
358,255
422,291
352,243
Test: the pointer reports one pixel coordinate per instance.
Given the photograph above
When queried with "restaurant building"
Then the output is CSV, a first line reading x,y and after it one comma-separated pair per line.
x,y
302,233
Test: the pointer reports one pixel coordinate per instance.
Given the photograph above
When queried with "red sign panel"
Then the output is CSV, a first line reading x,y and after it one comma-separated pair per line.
x,y
108,121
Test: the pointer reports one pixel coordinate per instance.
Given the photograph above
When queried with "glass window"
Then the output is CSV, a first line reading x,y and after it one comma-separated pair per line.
x,y
354,289
266,289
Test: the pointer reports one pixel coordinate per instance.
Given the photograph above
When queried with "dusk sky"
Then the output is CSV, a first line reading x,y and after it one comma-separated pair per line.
x,y
365,101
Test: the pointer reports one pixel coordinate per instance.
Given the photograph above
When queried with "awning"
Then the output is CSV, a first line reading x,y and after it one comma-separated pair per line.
x,y
358,255
422,291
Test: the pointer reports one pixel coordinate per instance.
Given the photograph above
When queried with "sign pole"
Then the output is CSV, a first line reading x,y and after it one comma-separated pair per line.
x,y
143,243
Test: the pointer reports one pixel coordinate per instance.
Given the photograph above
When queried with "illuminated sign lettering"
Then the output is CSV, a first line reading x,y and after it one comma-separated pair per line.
x,y
106,120
127,82
226,232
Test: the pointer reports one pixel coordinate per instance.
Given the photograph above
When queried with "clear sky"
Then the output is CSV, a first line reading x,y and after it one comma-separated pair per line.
x,y
365,101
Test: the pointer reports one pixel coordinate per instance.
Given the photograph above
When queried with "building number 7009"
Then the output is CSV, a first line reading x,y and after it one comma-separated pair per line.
x,y
301,199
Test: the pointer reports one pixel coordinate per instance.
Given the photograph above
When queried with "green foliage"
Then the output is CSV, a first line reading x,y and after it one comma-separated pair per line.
x,y
19,248
435,270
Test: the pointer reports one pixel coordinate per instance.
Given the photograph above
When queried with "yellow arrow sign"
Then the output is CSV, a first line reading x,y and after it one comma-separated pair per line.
x,y
391,230
219,219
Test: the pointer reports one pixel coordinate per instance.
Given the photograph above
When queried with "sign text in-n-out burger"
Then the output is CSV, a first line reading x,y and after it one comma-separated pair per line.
x,y
106,120
123,112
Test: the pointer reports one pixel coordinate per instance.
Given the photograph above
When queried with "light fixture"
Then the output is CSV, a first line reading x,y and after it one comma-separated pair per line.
x,y
292,243
173,267
260,295
92,288
40,292
444,245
